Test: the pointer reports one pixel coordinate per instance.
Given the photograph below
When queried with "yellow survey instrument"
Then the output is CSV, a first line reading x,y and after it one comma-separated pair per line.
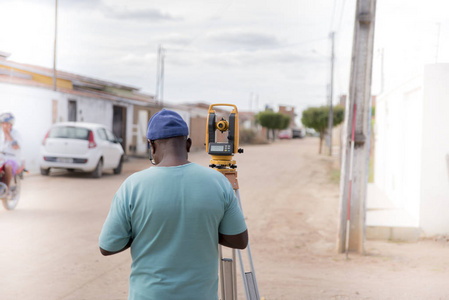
x,y
222,152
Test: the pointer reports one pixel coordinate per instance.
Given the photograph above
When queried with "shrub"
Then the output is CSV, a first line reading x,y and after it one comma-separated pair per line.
x,y
250,136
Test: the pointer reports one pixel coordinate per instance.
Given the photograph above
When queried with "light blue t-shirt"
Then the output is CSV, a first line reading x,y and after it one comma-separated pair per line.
x,y
173,215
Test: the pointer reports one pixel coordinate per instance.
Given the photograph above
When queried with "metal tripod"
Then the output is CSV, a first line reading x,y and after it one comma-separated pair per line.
x,y
228,274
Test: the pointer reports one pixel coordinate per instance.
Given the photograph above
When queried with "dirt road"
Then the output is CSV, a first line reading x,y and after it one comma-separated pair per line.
x,y
49,244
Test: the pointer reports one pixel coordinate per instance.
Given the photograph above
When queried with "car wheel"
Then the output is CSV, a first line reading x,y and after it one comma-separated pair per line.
x,y
118,170
45,172
98,170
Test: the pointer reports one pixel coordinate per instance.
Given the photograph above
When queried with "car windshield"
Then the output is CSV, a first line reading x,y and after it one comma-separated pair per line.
x,y
62,132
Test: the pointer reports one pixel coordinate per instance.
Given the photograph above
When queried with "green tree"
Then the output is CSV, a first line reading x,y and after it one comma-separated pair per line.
x,y
317,118
273,121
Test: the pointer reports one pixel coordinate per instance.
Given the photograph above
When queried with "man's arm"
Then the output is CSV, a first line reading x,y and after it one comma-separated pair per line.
x,y
107,253
237,241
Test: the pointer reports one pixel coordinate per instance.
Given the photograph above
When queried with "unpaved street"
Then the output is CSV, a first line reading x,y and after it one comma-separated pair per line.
x,y
49,244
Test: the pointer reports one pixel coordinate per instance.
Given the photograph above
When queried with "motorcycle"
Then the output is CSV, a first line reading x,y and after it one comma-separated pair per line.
x,y
10,198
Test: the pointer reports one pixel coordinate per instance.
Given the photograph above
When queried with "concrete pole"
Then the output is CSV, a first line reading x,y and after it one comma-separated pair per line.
x,y
158,77
438,42
162,75
330,120
359,94
54,46
382,74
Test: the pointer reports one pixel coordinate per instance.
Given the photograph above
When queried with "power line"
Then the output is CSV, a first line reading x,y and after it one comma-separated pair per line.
x,y
333,16
333,26
341,15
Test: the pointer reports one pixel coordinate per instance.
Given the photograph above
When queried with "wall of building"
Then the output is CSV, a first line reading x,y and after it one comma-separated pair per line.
x,y
435,148
37,108
88,110
32,108
412,148
397,159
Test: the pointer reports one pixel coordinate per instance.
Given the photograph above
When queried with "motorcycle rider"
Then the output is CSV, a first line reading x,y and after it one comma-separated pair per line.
x,y
9,146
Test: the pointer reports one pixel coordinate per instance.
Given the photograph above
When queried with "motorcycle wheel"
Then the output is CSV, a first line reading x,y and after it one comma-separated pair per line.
x,y
10,201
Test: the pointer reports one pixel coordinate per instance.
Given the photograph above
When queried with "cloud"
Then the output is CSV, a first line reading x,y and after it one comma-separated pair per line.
x,y
246,39
79,4
148,14
174,38
261,58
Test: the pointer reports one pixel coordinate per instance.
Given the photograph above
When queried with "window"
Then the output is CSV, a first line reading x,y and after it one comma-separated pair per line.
x,y
102,134
111,136
69,133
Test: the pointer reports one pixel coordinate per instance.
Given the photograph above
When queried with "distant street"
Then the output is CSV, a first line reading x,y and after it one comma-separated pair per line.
x,y
49,244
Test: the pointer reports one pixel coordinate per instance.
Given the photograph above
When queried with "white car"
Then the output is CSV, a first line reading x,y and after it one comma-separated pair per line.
x,y
81,146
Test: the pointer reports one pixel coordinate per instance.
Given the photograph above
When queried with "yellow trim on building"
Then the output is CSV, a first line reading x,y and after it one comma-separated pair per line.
x,y
48,80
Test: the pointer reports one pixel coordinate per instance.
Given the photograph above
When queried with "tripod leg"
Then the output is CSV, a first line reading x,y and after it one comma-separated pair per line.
x,y
249,278
234,275
228,281
221,271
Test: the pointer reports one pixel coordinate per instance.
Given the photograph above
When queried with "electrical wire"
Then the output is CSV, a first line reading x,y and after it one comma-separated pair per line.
x,y
341,15
334,27
333,16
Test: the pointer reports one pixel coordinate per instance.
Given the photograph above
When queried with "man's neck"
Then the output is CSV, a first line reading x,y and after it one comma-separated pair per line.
x,y
173,161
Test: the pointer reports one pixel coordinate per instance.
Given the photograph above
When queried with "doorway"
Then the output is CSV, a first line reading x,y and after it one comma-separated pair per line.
x,y
119,124
72,111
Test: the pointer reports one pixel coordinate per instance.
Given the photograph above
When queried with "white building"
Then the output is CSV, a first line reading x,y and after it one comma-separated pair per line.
x,y
27,92
411,179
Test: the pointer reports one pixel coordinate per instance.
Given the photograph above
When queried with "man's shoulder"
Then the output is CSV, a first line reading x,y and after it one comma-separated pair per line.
x,y
138,175
192,169
205,170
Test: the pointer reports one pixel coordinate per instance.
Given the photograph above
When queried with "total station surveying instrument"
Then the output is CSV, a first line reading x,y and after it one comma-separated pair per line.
x,y
222,153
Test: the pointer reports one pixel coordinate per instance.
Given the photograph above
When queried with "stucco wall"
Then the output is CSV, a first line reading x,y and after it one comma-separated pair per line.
x,y
435,147
32,108
412,148
397,159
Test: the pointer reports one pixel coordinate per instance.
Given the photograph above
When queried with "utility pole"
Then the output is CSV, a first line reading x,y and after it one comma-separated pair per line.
x,y
251,99
257,102
382,75
438,42
54,46
358,108
160,74
330,120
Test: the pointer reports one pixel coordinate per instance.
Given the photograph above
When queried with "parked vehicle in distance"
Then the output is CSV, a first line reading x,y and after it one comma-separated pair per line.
x,y
285,134
297,133
78,146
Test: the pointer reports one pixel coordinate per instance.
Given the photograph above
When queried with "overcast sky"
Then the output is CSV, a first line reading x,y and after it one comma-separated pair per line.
x,y
278,51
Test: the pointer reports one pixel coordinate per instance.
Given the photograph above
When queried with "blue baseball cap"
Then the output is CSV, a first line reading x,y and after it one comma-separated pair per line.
x,y
166,124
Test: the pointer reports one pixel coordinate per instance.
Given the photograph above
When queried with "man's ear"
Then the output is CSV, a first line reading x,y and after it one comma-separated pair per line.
x,y
153,147
188,144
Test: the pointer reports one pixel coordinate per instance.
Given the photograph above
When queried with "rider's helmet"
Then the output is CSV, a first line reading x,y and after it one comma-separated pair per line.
x,y
7,117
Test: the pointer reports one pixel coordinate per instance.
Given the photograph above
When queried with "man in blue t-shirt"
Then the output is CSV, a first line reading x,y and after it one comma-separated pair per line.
x,y
173,216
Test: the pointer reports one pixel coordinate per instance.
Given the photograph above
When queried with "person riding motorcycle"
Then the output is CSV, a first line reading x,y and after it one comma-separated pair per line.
x,y
10,142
